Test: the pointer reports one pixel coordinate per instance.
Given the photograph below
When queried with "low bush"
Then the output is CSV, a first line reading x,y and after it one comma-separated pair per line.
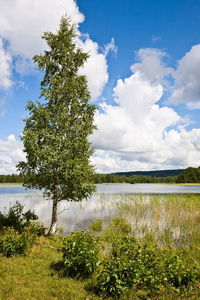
x,y
80,254
20,221
131,263
12,243
178,274
110,278
36,228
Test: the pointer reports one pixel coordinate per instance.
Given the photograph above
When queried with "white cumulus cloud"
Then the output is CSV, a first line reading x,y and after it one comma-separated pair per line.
x,y
96,68
11,151
5,68
137,134
23,22
187,79
151,64
136,122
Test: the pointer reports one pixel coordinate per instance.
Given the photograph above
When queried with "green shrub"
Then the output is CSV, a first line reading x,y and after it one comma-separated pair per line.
x,y
111,278
36,228
20,221
12,243
131,263
80,254
178,273
128,264
13,218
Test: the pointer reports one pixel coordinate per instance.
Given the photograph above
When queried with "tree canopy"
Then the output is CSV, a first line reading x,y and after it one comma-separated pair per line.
x,y
190,175
56,130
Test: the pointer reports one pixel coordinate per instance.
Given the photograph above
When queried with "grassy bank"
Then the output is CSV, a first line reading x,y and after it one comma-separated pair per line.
x,y
32,277
149,250
10,184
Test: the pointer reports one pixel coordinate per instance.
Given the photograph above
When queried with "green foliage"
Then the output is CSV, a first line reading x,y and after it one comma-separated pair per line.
x,y
36,228
56,132
18,230
178,274
80,254
131,263
125,266
190,175
113,178
14,218
111,278
20,221
13,178
12,243
120,225
96,225
31,278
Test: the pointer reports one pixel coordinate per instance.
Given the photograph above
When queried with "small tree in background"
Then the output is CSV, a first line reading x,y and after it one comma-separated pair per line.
x,y
56,132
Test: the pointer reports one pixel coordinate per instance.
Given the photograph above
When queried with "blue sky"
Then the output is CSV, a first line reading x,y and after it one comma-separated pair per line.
x,y
143,73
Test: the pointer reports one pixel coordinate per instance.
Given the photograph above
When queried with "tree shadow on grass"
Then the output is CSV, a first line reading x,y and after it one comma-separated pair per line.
x,y
59,267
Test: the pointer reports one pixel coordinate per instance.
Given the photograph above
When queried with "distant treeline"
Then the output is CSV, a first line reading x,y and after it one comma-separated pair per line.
x,y
13,178
189,175
112,178
155,173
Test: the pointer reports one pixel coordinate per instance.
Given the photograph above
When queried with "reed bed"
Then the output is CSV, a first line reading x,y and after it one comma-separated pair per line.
x,y
172,219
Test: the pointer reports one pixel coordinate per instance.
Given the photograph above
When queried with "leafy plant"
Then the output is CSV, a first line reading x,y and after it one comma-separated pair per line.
x,y
12,243
14,217
36,228
178,274
20,221
80,254
56,132
110,278
133,263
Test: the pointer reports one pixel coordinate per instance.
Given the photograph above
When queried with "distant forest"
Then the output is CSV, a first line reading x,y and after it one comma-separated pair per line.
x,y
189,175
13,178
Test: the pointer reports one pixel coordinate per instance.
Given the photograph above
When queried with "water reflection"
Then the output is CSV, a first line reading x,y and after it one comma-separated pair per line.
x,y
107,202
71,215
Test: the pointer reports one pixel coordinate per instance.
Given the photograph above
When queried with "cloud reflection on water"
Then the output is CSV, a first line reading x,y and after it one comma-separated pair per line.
x,y
78,215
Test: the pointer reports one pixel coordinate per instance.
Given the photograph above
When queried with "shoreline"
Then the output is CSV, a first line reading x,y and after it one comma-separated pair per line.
x,y
163,183
10,184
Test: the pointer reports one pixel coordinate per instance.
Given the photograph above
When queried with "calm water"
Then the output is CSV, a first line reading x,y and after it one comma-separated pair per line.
x,y
76,216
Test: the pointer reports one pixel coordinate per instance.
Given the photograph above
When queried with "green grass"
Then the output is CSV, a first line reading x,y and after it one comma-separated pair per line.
x,y
175,215
10,184
32,278
172,222
96,225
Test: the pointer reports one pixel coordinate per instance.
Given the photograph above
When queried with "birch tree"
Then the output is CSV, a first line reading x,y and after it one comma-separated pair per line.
x,y
57,128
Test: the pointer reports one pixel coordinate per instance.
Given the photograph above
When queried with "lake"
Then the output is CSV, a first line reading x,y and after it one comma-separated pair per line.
x,y
103,204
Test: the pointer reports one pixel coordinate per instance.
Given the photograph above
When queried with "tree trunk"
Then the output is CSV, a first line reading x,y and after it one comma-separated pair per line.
x,y
53,225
